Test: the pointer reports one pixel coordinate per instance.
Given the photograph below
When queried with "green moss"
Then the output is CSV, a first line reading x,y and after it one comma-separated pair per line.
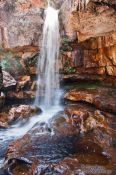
x,y
83,85
10,63
65,44
68,68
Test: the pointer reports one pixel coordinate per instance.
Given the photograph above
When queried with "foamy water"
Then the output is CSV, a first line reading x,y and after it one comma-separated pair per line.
x,y
48,64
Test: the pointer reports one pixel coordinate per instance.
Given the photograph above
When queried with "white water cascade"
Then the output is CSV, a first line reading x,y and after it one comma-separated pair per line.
x,y
48,80
48,64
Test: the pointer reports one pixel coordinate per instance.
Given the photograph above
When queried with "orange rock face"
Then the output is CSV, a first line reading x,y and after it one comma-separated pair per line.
x,y
20,112
95,97
36,3
94,56
93,32
98,18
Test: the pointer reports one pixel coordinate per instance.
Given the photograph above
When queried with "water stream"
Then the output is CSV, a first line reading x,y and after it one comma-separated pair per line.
x,y
48,64
48,91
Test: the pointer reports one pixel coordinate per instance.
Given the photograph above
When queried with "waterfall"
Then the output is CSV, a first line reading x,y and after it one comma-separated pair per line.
x,y
48,64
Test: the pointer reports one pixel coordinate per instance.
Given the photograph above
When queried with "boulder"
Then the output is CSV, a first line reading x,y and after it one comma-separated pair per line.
x,y
23,81
8,81
3,120
22,111
102,98
85,119
21,96
17,113
56,147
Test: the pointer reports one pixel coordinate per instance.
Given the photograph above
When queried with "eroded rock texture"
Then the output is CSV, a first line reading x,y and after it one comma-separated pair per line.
x,y
96,97
90,28
40,151
20,22
17,113
93,33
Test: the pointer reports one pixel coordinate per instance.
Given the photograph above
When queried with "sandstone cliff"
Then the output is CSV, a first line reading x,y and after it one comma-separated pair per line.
x,y
90,30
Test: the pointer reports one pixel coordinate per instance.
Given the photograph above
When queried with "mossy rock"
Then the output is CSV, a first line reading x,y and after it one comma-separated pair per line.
x,y
11,64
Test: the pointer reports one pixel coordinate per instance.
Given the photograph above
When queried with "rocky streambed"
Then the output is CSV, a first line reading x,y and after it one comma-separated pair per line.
x,y
77,138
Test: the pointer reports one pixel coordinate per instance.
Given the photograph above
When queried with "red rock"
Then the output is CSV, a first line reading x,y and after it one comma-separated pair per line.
x,y
85,119
23,80
19,112
93,50
3,120
3,125
80,23
100,98
8,80
22,111
21,95
42,143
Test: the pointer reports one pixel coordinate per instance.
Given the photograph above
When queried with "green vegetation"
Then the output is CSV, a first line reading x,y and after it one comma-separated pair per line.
x,y
10,62
65,44
68,68
83,85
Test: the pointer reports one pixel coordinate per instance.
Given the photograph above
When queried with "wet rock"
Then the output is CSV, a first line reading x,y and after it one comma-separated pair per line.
x,y
96,135
95,97
8,81
44,144
23,81
82,77
23,167
91,58
21,95
2,100
3,120
17,113
29,62
85,119
22,111
33,86
3,125
32,71
55,148
60,125
28,55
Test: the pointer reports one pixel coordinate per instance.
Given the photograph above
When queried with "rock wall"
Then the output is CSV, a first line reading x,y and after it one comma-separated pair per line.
x,y
20,22
88,32
91,35
97,18
94,56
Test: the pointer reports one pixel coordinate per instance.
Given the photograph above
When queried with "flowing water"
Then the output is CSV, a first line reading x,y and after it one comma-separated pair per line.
x,y
52,145
48,64
48,78
47,95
